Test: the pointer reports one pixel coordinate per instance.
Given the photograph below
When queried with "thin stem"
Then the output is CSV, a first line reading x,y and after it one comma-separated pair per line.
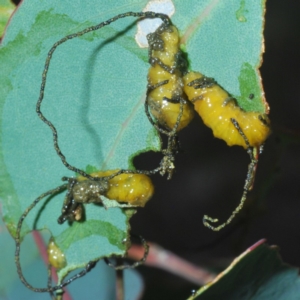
x,y
39,112
161,258
119,282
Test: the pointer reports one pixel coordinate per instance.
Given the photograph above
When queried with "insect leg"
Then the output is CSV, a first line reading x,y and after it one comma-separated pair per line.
x,y
253,152
167,163
72,213
69,206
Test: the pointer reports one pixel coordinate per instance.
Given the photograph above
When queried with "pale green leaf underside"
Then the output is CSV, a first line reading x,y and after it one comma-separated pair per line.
x,y
94,95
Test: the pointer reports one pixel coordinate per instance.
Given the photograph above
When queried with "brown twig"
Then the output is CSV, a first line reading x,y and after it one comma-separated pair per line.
x,y
166,260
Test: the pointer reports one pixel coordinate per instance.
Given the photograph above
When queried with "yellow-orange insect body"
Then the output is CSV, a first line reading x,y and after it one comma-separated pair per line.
x,y
165,85
56,257
218,110
123,185
230,123
135,189
120,185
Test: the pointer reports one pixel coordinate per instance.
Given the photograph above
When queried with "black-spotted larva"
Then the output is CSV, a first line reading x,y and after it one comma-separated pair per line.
x,y
93,187
135,189
165,85
230,123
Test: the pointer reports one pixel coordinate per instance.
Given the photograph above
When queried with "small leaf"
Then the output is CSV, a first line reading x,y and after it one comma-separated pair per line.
x,y
90,98
94,95
224,40
257,274
100,281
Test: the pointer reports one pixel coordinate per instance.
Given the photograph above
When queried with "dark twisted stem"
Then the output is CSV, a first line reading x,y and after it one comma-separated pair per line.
x,y
166,21
253,152
49,288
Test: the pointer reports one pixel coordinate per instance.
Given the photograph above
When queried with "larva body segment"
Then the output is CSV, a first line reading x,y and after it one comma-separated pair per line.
x,y
135,189
165,78
217,110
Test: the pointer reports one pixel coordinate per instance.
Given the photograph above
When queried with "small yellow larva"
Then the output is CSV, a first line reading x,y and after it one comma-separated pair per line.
x,y
56,257
165,85
220,112
230,123
135,189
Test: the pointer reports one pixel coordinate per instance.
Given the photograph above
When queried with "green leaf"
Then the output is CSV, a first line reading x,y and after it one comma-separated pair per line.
x,y
7,257
224,40
257,274
6,9
94,95
99,117
100,282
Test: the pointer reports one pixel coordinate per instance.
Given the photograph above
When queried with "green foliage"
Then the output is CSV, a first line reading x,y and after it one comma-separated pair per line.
x,y
94,95
6,9
257,274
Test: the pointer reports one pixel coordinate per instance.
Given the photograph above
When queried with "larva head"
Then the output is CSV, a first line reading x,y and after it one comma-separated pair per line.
x,y
135,189
255,126
89,191
171,39
164,43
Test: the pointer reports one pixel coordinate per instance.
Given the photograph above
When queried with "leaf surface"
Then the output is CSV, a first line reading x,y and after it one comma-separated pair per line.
x,y
257,274
94,95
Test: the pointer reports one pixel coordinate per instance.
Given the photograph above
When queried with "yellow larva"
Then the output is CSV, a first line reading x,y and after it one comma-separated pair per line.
x,y
230,123
135,189
165,86
218,111
56,256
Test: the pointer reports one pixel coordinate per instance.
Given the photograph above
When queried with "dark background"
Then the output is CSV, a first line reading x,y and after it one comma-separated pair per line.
x,y
210,176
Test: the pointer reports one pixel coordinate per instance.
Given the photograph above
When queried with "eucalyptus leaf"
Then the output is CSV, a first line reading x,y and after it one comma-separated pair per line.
x,y
257,274
6,9
94,96
100,283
